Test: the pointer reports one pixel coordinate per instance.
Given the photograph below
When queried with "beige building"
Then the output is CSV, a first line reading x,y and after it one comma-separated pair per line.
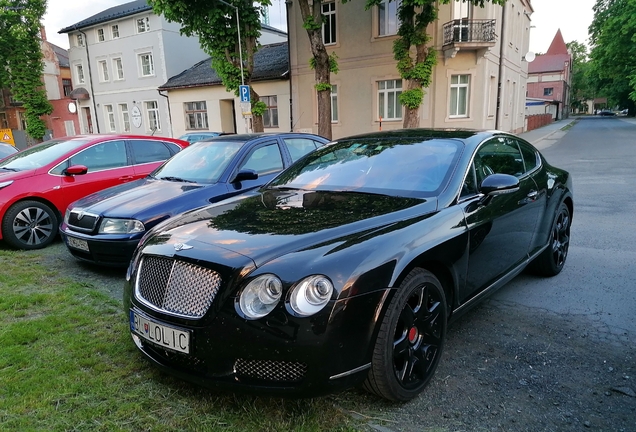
x,y
479,81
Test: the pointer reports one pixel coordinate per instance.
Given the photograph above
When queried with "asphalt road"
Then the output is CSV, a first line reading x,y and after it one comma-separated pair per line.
x,y
599,278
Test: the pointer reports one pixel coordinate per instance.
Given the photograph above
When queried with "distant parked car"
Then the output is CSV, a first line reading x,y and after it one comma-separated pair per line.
x,y
104,228
38,183
193,137
6,150
625,111
606,113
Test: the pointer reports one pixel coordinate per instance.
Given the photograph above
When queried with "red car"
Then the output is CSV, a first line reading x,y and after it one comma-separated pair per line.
x,y
38,183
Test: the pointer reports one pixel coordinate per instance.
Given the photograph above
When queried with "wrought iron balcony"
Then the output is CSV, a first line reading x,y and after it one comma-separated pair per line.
x,y
468,34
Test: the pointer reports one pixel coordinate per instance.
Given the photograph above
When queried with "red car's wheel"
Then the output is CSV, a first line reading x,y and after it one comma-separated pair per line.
x,y
29,225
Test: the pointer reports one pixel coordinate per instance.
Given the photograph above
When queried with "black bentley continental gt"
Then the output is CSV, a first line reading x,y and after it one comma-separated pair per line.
x,y
347,267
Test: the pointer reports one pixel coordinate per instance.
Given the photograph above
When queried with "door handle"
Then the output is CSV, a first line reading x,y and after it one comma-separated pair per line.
x,y
126,178
533,195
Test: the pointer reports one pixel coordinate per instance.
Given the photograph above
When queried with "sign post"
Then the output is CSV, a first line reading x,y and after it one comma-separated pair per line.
x,y
246,105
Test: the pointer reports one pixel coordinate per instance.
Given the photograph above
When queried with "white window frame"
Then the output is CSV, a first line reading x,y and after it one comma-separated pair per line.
x,y
151,64
330,18
124,115
454,108
100,35
334,103
155,109
388,89
118,72
104,76
114,31
80,77
142,25
270,110
388,10
196,113
109,113
79,39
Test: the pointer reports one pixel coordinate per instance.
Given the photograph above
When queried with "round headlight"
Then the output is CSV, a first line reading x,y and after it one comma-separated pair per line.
x,y
311,295
260,296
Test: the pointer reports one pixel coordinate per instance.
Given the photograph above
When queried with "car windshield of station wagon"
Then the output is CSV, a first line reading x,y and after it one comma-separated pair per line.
x,y
406,167
40,155
203,162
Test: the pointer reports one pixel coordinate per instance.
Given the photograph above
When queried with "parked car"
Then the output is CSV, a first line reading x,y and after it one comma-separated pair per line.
x,y
606,113
346,268
6,150
193,137
104,228
38,183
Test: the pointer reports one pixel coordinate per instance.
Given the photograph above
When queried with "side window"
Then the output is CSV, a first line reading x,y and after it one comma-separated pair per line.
x,y
174,149
146,151
299,147
530,157
108,155
501,156
264,160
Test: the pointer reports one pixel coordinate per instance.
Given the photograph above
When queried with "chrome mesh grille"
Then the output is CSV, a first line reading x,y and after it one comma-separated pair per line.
x,y
271,370
82,221
176,287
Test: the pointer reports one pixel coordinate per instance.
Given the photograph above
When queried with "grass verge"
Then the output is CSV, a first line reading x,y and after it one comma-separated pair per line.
x,y
67,364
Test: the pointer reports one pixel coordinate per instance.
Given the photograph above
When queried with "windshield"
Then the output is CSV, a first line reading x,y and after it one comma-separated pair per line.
x,y
390,166
41,154
203,162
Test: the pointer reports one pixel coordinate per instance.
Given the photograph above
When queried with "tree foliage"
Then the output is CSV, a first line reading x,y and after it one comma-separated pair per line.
x,y
581,90
21,64
416,59
214,23
613,54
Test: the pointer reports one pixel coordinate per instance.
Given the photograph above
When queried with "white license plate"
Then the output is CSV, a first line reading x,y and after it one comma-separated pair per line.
x,y
160,334
78,243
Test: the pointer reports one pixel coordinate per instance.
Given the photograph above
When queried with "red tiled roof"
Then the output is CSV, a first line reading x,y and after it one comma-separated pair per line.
x,y
548,63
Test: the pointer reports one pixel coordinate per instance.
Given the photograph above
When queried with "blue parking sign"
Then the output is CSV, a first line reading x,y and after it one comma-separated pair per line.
x,y
244,93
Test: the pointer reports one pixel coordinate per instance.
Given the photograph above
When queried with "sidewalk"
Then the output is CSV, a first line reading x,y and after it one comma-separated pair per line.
x,y
537,135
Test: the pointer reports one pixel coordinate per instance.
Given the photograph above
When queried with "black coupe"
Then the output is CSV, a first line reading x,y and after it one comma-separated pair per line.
x,y
347,267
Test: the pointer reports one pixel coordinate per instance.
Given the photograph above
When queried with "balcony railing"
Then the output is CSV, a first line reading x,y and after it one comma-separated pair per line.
x,y
478,33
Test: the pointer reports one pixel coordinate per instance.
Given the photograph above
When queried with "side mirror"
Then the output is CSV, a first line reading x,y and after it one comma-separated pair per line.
x,y
247,174
76,170
499,184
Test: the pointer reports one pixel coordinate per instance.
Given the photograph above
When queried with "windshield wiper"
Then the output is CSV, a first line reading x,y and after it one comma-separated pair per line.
x,y
176,179
10,169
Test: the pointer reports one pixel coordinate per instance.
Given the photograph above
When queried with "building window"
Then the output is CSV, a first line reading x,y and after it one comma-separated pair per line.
x,y
196,115
22,123
143,25
67,86
388,22
459,95
3,121
100,35
110,117
118,66
114,31
389,107
152,111
270,116
79,70
334,103
80,40
125,117
329,23
147,64
103,71
548,91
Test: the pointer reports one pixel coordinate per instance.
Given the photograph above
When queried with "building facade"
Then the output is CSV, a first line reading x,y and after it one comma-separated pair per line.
x,y
118,59
479,80
549,77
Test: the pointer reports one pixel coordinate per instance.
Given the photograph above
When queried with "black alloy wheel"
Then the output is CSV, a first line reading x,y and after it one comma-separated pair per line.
x,y
410,340
29,225
552,260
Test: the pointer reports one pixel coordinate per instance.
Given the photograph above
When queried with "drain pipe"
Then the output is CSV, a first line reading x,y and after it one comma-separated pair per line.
x,y
288,4
90,77
169,112
501,66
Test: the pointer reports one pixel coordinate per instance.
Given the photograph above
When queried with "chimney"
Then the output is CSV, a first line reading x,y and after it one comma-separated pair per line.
x,y
42,33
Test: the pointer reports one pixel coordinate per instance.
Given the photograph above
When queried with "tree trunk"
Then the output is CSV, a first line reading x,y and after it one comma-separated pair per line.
x,y
257,121
412,115
322,70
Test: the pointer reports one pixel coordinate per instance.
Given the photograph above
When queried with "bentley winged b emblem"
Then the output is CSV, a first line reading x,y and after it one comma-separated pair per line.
x,y
181,246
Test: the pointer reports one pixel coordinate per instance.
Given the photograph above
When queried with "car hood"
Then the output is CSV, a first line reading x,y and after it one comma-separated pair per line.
x,y
16,175
263,226
132,199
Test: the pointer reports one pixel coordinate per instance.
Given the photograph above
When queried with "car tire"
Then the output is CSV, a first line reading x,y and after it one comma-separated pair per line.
x,y
29,225
410,340
551,261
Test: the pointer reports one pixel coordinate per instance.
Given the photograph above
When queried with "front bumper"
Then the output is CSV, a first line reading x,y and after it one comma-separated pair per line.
x,y
112,253
279,354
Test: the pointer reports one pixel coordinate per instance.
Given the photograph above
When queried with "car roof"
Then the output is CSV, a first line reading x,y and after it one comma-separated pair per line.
x,y
251,136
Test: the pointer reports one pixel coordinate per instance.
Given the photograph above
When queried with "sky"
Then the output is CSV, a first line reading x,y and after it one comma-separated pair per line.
x,y
573,17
